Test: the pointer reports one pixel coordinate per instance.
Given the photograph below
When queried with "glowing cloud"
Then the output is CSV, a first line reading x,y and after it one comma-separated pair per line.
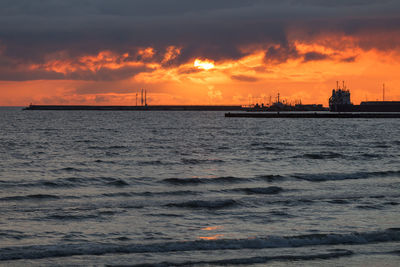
x,y
203,64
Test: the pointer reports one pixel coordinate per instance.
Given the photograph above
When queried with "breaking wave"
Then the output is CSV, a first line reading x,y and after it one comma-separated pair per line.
x,y
258,260
46,251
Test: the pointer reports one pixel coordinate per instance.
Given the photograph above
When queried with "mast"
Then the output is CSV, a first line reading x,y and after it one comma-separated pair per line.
x,y
383,93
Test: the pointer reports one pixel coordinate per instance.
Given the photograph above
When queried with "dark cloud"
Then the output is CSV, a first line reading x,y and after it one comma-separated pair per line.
x,y
244,78
30,31
14,72
349,59
106,74
10,74
281,54
315,56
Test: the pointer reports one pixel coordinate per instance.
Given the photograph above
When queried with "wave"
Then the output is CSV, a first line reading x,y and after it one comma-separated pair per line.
x,y
333,155
280,213
190,161
220,180
380,206
85,141
203,204
321,177
193,181
107,147
148,194
12,234
105,161
30,197
396,252
269,177
271,190
321,155
257,260
154,162
67,169
274,144
396,142
68,182
65,250
117,182
373,155
71,217
184,161
338,201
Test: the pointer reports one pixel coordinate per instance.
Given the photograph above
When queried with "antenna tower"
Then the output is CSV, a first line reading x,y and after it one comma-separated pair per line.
x,y
383,92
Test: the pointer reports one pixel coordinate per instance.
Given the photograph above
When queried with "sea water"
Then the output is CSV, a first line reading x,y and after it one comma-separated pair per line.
x,y
196,188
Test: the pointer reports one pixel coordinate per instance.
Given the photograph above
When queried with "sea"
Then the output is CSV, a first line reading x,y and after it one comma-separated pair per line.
x,y
183,188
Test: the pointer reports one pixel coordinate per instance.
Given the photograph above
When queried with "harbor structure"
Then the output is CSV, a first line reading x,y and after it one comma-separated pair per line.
x,y
340,102
340,99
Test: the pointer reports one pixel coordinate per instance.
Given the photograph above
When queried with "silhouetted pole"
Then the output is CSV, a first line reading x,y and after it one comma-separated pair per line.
x,y
383,92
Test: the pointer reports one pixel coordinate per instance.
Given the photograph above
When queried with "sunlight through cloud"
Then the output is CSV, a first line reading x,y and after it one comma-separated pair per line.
x,y
204,64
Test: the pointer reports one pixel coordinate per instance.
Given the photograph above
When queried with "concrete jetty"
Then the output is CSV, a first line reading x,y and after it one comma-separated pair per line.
x,y
137,108
300,115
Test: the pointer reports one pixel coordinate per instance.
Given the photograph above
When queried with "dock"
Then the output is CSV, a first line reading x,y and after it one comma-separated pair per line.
x,y
299,115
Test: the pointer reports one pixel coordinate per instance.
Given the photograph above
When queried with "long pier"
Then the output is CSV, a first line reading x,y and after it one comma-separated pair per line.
x,y
300,115
137,108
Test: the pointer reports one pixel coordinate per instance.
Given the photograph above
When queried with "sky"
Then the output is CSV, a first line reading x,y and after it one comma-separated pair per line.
x,y
185,52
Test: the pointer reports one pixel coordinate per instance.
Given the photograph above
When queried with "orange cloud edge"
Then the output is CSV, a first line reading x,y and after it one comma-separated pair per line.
x,y
254,78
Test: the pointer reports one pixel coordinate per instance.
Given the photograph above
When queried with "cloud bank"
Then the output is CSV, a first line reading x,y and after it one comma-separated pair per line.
x,y
37,34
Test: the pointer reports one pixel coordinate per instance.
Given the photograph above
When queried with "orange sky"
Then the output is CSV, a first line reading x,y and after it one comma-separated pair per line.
x,y
248,80
237,52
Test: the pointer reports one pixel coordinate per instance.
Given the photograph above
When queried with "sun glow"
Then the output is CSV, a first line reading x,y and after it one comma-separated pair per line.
x,y
204,64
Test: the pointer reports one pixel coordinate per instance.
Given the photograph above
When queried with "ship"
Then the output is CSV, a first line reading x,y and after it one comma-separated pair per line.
x,y
340,102
285,106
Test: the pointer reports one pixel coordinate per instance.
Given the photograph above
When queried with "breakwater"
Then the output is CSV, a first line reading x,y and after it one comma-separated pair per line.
x,y
311,115
136,108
